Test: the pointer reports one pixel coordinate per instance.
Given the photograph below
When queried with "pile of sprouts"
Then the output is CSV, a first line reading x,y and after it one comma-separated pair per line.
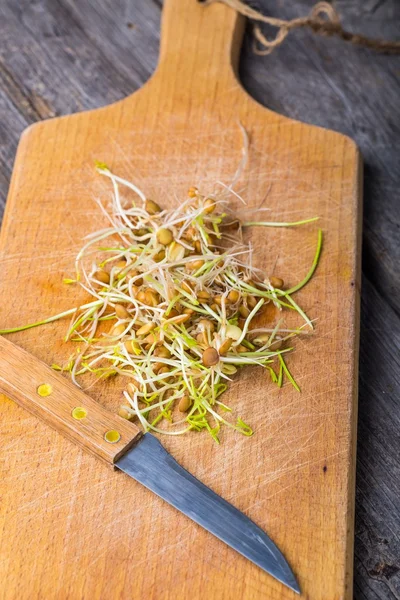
x,y
174,296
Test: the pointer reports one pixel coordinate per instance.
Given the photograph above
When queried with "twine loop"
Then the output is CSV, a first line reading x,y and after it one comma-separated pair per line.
x,y
322,20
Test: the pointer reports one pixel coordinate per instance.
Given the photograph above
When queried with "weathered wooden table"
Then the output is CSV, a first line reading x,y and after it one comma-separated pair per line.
x,y
65,56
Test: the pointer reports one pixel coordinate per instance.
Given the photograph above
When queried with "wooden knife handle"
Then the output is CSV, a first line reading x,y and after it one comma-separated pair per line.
x,y
62,405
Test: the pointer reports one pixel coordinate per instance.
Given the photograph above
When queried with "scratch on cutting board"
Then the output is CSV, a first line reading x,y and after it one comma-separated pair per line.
x,y
273,171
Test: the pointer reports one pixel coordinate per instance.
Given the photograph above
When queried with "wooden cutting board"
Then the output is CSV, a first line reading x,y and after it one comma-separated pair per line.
x,y
69,527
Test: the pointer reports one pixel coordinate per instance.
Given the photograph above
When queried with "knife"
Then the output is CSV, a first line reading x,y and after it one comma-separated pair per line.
x,y
118,442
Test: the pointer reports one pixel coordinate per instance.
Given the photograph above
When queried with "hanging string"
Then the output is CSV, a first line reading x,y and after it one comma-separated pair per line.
x,y
322,20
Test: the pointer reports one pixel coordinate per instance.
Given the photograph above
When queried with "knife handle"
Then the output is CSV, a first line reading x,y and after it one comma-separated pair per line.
x,y
62,405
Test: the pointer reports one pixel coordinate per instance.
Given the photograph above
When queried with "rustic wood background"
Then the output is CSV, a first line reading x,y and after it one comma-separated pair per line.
x,y
62,56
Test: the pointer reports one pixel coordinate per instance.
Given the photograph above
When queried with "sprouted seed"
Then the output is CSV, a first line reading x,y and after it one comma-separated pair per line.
x,y
177,295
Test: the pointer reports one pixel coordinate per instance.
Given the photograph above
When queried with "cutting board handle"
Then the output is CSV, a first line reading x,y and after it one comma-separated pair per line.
x,y
200,38
62,405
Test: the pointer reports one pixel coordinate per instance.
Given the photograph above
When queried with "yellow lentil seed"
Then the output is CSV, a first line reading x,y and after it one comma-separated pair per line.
x,y
120,264
251,301
194,265
189,233
134,274
135,290
185,403
117,330
261,339
185,285
124,413
233,296
162,352
179,319
241,348
145,329
224,348
159,256
162,370
152,207
102,276
209,205
276,282
176,252
203,296
151,298
153,338
121,312
210,357
132,347
164,236
207,324
244,311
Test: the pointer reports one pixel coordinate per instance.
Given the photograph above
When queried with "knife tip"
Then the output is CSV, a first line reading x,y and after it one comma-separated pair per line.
x,y
295,587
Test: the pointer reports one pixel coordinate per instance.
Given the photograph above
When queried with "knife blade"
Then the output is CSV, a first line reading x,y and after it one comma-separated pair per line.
x,y
149,463
63,406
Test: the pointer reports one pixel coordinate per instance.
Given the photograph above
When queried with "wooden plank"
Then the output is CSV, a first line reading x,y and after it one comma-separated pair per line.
x,y
377,532
291,90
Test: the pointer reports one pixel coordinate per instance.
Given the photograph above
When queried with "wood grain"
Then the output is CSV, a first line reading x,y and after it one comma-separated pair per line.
x,y
295,477
21,378
60,57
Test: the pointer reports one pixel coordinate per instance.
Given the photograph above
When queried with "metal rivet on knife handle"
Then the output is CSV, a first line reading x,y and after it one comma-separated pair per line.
x,y
44,390
79,413
112,437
